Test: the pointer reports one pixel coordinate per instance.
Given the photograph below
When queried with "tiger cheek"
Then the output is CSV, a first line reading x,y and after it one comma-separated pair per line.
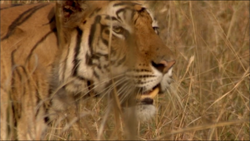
x,y
117,44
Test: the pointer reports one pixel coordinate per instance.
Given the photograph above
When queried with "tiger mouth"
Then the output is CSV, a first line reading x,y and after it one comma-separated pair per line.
x,y
147,97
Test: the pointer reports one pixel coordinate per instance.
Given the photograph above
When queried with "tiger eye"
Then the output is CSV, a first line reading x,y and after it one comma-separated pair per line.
x,y
118,29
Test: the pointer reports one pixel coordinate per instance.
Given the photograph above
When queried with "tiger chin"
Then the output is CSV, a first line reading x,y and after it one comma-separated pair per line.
x,y
145,109
98,48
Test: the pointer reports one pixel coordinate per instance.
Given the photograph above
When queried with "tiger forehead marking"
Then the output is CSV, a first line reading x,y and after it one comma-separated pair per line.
x,y
107,45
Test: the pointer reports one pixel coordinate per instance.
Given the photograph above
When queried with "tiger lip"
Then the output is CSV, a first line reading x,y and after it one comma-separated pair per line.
x,y
151,93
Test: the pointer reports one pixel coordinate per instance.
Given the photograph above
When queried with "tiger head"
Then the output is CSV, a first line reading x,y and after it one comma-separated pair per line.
x,y
117,46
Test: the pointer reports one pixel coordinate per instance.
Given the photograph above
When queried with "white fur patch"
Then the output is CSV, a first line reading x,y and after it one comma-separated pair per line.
x,y
142,112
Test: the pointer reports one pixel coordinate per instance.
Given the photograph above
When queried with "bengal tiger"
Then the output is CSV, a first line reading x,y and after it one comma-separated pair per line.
x,y
92,48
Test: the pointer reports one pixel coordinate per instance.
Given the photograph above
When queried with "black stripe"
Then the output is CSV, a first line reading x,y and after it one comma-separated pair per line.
x,y
90,83
47,106
112,61
112,18
88,60
95,11
119,11
121,61
77,51
36,45
98,55
105,42
21,19
53,19
81,78
99,67
143,76
106,67
22,75
113,51
13,64
92,33
107,31
104,29
16,75
96,75
126,3
142,9
124,10
95,56
126,34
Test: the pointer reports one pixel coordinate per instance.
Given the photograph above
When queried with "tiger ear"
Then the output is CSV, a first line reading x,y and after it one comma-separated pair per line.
x,y
71,12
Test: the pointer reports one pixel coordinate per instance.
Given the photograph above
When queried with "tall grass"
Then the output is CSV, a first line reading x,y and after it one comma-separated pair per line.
x,y
209,99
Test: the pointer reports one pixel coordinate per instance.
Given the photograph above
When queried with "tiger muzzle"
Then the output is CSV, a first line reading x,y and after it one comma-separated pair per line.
x,y
148,96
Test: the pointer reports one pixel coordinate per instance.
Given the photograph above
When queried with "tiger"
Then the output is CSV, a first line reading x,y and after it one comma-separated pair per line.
x,y
91,48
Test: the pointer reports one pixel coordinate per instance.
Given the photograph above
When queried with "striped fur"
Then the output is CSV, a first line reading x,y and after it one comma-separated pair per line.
x,y
107,45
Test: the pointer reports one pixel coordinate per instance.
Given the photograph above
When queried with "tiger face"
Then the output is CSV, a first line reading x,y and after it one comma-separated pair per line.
x,y
116,46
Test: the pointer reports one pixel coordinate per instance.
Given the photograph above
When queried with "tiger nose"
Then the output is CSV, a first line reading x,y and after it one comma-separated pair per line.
x,y
163,66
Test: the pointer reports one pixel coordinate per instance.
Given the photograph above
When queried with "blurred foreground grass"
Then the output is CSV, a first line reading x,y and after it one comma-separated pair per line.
x,y
210,95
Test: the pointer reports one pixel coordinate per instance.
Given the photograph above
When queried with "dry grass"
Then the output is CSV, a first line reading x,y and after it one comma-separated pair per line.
x,y
210,95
